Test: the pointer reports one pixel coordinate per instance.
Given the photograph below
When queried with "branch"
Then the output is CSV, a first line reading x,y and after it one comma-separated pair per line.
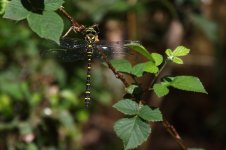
x,y
172,131
116,73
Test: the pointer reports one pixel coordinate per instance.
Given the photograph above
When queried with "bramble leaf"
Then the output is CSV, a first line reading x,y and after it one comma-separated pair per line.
x,y
181,51
133,131
2,6
127,106
15,11
188,83
138,70
140,49
158,59
122,65
49,25
131,88
160,89
149,114
150,67
177,60
169,52
52,5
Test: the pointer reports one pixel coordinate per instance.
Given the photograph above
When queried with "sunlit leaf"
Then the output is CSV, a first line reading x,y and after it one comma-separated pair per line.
x,y
158,59
177,60
181,51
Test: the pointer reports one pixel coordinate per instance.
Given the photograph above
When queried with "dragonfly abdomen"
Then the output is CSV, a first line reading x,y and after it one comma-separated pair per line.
x,y
89,52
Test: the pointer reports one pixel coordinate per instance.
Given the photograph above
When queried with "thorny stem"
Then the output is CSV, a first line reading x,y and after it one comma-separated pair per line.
x,y
172,131
169,128
116,73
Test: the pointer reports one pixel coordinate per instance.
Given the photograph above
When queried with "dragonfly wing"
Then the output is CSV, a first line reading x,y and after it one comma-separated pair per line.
x,y
71,43
116,48
64,55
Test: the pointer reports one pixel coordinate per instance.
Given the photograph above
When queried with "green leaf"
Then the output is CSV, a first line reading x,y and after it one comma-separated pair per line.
x,y
160,89
150,67
15,11
127,106
133,131
49,25
52,5
188,83
12,89
122,65
131,88
181,51
149,114
177,60
158,59
140,49
138,70
169,52
2,6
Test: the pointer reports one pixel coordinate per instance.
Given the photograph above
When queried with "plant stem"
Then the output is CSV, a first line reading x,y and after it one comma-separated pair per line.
x,y
157,75
116,73
172,131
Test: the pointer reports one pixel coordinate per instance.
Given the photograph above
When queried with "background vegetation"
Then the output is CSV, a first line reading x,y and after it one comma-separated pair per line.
x,y
41,105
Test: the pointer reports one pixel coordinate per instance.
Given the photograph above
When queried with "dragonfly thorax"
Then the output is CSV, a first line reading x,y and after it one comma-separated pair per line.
x,y
91,35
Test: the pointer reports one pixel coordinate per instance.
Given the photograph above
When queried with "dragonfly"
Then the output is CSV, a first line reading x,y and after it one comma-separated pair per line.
x,y
88,48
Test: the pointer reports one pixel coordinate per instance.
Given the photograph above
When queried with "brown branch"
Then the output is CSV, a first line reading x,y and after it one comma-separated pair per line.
x,y
116,73
172,131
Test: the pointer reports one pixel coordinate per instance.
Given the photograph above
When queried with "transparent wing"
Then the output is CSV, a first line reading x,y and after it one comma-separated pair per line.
x,y
71,43
65,55
117,48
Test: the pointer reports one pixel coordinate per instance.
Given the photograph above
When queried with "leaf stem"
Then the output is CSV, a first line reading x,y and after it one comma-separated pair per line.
x,y
157,75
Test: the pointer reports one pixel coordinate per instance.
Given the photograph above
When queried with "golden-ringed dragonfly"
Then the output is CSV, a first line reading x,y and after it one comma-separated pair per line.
x,y
88,48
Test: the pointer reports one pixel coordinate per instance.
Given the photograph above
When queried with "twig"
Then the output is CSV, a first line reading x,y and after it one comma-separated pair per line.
x,y
116,73
172,131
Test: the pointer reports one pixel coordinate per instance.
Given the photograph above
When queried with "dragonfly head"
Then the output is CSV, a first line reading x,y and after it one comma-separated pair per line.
x,y
91,35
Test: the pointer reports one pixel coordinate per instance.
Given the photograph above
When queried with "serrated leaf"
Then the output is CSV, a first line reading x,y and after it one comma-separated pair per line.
x,y
138,70
52,5
122,65
2,6
188,83
15,11
160,89
158,59
133,131
149,114
169,52
181,51
150,67
177,60
140,49
127,106
131,88
49,25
